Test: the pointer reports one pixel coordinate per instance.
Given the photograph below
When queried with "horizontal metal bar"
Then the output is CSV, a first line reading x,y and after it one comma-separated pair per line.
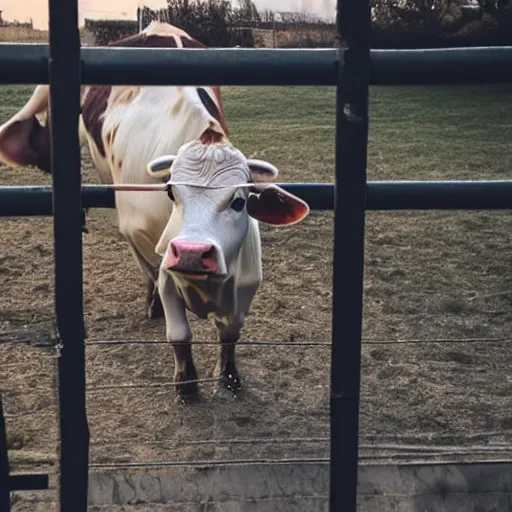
x,y
441,66
382,195
28,64
28,482
440,195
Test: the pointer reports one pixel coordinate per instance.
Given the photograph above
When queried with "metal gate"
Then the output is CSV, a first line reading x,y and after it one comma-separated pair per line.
x,y
351,68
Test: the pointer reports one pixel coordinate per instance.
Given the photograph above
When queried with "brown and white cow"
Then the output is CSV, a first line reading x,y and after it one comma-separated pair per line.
x,y
199,243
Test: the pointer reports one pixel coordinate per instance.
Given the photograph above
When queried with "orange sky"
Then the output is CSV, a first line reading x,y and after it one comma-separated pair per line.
x,y
23,10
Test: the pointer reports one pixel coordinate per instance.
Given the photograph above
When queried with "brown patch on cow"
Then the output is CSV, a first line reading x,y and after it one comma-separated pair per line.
x,y
94,106
111,136
123,95
189,42
147,41
222,121
211,136
218,95
212,108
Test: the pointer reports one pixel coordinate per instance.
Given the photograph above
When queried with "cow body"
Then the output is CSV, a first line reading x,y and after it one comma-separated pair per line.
x,y
125,127
199,248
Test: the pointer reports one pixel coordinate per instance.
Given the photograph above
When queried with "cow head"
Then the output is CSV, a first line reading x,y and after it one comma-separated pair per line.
x,y
215,190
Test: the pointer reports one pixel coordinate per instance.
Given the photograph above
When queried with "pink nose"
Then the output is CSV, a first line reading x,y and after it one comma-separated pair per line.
x,y
194,257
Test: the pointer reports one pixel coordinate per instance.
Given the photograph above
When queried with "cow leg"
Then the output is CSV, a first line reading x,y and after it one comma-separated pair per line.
x,y
154,307
153,301
179,334
225,368
141,221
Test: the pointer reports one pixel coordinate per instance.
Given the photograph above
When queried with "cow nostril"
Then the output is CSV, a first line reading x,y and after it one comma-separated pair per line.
x,y
209,254
209,259
175,251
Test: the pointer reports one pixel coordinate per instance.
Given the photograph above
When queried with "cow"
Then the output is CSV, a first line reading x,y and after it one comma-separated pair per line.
x,y
198,244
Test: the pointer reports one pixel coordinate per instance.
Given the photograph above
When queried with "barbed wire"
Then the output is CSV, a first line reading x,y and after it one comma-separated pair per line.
x,y
283,440
432,434
151,385
403,458
365,341
19,391
299,343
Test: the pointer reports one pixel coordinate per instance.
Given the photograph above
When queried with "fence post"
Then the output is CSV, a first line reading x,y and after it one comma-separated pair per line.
x,y
353,23
64,74
4,463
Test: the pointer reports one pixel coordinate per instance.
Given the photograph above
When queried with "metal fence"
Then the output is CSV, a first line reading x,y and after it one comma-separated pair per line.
x,y
351,70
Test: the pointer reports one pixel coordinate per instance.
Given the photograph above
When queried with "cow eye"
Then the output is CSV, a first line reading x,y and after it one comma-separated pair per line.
x,y
238,204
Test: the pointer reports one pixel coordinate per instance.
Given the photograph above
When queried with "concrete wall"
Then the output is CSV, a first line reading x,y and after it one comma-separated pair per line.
x,y
479,487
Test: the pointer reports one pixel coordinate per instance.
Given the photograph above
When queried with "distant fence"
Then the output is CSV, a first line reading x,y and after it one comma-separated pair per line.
x,y
17,24
301,35
106,31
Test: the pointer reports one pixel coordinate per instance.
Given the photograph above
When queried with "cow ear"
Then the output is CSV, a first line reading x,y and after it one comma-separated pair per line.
x,y
26,142
262,171
161,167
276,206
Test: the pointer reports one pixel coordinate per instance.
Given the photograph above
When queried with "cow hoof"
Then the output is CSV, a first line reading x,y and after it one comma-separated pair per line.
x,y
187,393
188,399
230,379
187,389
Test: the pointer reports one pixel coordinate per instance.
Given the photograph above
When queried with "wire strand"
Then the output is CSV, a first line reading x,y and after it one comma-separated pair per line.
x,y
304,460
150,384
299,344
363,446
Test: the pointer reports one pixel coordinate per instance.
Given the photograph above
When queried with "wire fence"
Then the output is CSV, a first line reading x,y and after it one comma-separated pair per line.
x,y
366,341
401,458
300,343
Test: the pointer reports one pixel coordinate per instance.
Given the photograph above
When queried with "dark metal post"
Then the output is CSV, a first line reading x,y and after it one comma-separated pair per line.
x,y
353,23
64,73
4,464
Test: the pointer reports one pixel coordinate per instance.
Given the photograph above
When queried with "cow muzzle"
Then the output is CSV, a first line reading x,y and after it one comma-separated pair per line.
x,y
196,258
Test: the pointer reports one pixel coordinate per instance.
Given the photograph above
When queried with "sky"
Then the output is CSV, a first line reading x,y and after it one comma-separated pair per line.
x,y
24,10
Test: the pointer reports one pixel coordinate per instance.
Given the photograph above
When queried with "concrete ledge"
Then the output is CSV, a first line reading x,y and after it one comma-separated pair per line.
x,y
469,487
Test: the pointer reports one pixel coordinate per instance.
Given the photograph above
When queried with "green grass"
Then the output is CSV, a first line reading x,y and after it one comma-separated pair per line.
x,y
415,132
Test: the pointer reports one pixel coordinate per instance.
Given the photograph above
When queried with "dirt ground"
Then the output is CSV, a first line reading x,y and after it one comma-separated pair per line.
x,y
429,276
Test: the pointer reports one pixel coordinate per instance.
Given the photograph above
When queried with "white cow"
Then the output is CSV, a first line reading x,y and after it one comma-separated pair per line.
x,y
199,244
